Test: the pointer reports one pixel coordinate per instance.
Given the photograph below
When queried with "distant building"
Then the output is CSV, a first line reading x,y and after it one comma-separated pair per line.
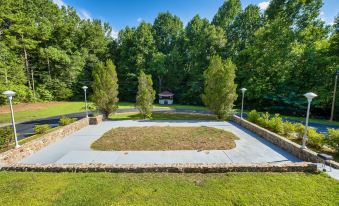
x,y
166,97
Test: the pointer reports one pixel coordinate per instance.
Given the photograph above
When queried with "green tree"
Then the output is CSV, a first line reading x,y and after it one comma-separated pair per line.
x,y
226,14
105,87
220,89
145,96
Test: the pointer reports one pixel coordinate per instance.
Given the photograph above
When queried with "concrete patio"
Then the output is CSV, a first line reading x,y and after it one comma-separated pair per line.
x,y
76,148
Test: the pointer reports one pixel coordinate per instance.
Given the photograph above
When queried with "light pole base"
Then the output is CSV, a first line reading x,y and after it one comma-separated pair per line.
x,y
303,147
17,146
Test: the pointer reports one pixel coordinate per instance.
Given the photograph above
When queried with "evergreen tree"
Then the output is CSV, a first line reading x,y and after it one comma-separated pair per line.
x,y
105,87
146,95
220,89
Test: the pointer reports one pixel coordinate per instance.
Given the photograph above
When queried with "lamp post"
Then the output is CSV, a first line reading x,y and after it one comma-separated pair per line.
x,y
309,97
334,92
10,95
243,90
85,88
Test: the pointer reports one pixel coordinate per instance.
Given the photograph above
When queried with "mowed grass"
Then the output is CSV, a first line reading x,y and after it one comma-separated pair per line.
x,y
167,189
165,138
48,110
162,116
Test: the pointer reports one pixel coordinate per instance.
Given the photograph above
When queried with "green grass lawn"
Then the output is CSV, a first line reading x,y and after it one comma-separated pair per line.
x,y
60,109
162,116
22,188
319,121
73,107
165,138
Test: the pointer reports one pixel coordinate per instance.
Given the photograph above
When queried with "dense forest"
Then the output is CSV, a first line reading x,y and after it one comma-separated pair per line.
x,y
47,53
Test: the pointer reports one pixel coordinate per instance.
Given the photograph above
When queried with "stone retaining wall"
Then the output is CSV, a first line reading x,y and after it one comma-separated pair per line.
x,y
282,142
96,120
14,155
171,168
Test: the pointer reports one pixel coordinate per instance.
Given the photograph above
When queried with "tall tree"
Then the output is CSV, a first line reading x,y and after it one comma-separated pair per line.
x,y
105,87
226,14
146,95
220,89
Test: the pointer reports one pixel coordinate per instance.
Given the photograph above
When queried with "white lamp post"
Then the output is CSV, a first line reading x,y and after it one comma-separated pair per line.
x,y
243,90
85,88
309,97
10,95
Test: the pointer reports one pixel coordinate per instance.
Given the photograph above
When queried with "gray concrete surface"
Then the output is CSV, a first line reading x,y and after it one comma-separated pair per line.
x,y
250,148
76,147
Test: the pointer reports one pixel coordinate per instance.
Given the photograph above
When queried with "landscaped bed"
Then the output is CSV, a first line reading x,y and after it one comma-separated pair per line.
x,y
22,188
165,138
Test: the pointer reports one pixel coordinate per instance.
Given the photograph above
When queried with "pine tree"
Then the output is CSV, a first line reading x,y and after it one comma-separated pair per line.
x,y
145,96
105,87
220,89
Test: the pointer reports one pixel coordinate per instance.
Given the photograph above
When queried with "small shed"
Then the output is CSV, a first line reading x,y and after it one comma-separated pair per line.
x,y
166,97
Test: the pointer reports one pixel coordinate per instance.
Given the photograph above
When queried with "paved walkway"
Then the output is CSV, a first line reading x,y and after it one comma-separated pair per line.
x,y
76,148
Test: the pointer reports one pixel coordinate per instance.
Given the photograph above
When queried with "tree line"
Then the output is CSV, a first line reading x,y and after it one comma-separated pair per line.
x,y
48,53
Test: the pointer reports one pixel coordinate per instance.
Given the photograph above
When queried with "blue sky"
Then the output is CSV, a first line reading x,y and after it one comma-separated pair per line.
x,y
121,13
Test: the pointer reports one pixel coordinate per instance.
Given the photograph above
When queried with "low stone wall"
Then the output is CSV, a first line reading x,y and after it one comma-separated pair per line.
x,y
282,142
96,120
170,168
14,155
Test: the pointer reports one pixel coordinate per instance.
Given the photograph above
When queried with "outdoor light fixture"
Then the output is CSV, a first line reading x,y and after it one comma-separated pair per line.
x,y
85,88
243,90
309,97
10,95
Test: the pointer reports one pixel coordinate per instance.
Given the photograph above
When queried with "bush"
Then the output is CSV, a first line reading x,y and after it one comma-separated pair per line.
x,y
264,120
253,116
276,124
66,120
332,138
299,129
289,128
6,136
41,129
315,139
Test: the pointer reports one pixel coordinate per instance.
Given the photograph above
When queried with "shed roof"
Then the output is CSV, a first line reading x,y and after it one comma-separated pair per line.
x,y
166,94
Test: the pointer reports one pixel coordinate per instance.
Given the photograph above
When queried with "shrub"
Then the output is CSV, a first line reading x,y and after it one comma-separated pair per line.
x,y
41,129
66,120
264,120
332,138
276,124
299,129
253,116
289,128
315,139
6,136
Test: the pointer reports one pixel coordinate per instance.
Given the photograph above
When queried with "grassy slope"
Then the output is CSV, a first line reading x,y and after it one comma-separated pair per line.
x,y
165,138
73,107
167,189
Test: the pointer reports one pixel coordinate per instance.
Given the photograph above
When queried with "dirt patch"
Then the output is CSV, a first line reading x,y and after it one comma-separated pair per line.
x,y
28,106
165,138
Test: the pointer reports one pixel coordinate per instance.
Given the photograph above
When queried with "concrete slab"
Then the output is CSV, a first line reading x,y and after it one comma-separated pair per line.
x,y
145,157
250,147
